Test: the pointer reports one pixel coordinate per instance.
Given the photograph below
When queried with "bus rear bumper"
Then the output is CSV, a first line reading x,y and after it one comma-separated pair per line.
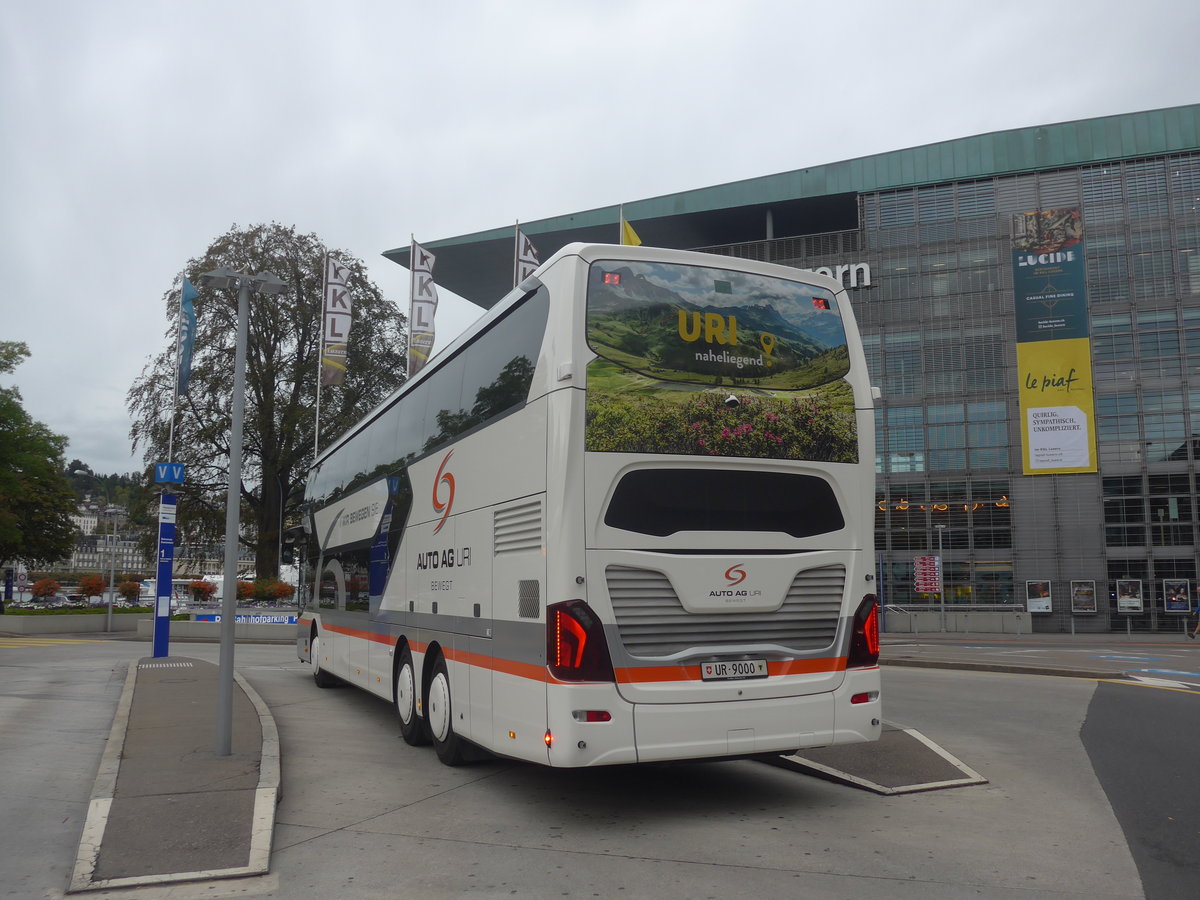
x,y
733,728
649,732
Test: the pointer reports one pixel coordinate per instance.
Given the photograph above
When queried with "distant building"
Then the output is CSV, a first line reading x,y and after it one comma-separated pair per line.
x,y
924,240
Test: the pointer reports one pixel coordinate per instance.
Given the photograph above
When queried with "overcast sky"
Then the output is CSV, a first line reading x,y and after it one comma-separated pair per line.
x,y
134,132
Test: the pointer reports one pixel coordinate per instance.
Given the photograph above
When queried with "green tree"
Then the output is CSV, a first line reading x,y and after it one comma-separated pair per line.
x,y
281,384
36,501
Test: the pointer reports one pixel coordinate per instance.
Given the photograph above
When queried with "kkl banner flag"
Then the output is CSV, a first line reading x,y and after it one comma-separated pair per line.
x,y
525,258
187,334
423,302
336,322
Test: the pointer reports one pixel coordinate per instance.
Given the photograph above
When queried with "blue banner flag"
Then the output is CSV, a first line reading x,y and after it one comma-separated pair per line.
x,y
187,333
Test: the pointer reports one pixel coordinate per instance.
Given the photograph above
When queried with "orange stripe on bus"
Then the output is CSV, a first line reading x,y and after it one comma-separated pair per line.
x,y
652,674
532,671
630,675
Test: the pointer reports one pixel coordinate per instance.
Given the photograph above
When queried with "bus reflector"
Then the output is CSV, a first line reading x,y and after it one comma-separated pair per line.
x,y
864,636
575,646
591,715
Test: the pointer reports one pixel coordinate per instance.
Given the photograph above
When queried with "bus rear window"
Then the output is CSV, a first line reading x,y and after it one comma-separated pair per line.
x,y
661,502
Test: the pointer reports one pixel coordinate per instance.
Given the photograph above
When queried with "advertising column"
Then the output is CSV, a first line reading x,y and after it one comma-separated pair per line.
x,y
1054,357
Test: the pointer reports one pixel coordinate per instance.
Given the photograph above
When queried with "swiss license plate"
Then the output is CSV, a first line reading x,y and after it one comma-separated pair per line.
x,y
729,669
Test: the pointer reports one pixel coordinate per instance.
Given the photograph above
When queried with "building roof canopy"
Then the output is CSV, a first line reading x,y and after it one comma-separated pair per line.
x,y
819,199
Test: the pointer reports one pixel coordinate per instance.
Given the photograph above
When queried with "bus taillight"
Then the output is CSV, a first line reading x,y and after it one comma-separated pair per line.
x,y
575,646
864,635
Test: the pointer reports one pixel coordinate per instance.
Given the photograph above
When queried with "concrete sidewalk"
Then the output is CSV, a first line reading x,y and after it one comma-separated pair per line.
x,y
165,808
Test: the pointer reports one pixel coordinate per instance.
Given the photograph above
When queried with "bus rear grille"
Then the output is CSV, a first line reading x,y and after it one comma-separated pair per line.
x,y
653,623
517,528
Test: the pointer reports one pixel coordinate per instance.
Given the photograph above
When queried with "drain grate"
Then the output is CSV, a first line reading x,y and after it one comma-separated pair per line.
x,y
165,665
902,761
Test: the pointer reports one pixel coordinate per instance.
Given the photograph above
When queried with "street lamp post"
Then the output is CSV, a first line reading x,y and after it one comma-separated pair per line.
x,y
112,570
264,283
941,576
112,550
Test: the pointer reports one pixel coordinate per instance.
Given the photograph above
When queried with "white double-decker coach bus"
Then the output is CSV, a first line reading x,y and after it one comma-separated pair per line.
x,y
627,516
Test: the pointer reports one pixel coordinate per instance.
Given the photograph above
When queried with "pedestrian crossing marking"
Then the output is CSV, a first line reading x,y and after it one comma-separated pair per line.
x,y
16,643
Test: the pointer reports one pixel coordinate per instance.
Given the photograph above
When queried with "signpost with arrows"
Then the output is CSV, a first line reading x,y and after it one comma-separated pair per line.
x,y
927,579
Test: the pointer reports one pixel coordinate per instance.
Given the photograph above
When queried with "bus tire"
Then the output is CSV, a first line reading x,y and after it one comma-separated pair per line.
x,y
412,726
321,678
439,713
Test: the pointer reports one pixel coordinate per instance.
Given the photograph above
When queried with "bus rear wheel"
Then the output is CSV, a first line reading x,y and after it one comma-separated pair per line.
x,y
412,726
439,712
321,678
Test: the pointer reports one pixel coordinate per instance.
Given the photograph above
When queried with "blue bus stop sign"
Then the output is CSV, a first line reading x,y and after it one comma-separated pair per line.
x,y
169,473
166,562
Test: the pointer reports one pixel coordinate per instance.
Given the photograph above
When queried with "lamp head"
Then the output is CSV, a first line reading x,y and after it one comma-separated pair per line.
x,y
268,284
220,278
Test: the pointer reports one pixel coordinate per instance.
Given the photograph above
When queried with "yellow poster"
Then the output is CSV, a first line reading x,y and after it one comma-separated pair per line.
x,y
1058,434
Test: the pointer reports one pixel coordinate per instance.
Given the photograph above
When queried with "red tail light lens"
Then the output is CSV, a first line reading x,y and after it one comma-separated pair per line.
x,y
864,635
575,646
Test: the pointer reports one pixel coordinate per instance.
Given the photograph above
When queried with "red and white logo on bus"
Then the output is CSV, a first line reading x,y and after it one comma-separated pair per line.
x,y
440,505
735,575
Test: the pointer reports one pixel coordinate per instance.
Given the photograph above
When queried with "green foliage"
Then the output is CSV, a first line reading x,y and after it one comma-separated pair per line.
x,y
281,383
813,426
36,502
121,490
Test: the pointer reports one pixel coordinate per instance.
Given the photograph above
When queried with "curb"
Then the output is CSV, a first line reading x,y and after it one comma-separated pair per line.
x,y
103,790
1009,668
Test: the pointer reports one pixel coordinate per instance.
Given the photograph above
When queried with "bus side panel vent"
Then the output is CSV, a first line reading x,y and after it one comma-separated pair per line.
x,y
517,528
529,599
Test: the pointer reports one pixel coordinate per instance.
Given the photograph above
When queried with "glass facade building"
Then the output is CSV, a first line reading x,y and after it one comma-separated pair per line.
x,y
922,239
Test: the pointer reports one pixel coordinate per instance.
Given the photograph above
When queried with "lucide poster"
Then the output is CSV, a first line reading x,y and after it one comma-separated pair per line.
x,y
1054,358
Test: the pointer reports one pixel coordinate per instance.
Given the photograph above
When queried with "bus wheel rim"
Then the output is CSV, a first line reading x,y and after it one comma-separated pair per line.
x,y
439,707
404,693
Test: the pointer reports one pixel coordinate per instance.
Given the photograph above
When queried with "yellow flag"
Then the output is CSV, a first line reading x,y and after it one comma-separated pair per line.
x,y
628,235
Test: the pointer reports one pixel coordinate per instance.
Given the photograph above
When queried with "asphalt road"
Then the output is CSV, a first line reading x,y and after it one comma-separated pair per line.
x,y
364,815
1144,746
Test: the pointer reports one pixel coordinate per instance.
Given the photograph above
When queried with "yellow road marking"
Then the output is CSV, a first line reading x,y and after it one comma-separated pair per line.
x,y
15,643
1143,684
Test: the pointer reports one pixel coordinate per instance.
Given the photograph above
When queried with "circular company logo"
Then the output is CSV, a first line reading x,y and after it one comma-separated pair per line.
x,y
735,574
440,505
